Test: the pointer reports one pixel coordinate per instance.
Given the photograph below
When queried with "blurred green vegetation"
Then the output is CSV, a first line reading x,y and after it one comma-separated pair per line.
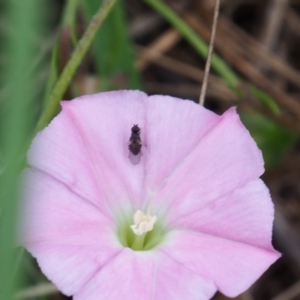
x,y
23,84
16,105
112,49
273,139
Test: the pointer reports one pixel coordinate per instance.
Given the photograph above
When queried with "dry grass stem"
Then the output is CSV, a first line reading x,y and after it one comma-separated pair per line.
x,y
210,51
162,44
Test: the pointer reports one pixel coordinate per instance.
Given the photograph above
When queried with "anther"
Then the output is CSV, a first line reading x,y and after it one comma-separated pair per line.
x,y
142,223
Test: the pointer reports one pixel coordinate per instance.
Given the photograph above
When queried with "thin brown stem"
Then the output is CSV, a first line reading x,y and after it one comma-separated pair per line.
x,y
210,51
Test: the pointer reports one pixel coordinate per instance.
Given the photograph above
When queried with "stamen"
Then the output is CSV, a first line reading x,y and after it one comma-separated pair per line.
x,y
142,223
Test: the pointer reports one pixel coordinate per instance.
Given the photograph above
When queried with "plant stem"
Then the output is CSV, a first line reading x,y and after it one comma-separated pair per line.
x,y
77,56
209,55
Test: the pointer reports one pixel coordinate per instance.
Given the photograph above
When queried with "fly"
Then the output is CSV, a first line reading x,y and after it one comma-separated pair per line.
x,y
135,145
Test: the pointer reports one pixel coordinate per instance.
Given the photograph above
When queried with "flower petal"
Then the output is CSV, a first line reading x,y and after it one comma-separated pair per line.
x,y
146,275
68,235
224,159
59,152
232,266
128,276
103,122
246,215
176,282
174,128
70,267
53,213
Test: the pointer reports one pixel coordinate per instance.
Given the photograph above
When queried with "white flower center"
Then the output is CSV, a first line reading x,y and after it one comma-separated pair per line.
x,y
142,223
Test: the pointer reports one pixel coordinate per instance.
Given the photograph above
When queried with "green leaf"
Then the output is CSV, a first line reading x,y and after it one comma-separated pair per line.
x,y
112,48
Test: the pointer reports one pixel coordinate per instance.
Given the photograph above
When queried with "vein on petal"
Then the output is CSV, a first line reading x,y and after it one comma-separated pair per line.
x,y
96,270
94,171
154,279
184,265
214,200
272,252
68,187
101,267
68,244
183,159
200,142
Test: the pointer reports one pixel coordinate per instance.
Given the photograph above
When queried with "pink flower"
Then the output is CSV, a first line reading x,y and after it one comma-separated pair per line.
x,y
194,202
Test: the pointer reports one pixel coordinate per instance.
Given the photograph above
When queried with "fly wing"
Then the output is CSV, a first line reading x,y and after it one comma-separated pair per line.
x,y
135,159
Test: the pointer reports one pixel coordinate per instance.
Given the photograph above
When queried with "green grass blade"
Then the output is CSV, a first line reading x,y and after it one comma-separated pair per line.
x,y
53,73
265,99
71,67
69,18
68,24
